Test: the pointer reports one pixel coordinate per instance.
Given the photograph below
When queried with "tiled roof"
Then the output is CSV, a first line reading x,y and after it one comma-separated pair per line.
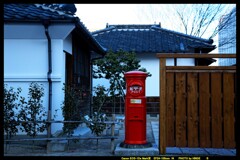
x,y
18,12
149,39
53,12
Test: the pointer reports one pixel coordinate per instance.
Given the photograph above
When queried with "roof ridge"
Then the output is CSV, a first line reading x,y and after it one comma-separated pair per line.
x,y
53,10
133,26
103,30
210,41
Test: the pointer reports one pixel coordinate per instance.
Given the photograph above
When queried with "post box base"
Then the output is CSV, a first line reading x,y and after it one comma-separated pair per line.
x,y
145,145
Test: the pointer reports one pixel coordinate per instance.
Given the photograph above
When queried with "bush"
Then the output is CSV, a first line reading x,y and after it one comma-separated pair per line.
x,y
32,111
71,108
10,117
96,123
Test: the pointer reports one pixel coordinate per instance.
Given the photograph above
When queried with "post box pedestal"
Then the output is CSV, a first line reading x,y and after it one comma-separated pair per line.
x,y
145,145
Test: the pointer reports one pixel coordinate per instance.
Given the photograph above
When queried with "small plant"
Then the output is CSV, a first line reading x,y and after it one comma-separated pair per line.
x,y
32,111
96,121
10,117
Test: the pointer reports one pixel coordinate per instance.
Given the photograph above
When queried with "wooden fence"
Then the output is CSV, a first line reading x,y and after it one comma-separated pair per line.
x,y
197,104
152,106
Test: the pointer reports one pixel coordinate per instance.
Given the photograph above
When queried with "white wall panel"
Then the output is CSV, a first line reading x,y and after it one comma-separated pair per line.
x,y
151,63
26,60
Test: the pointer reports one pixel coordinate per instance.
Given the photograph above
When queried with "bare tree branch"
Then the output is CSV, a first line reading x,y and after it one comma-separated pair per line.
x,y
201,20
211,20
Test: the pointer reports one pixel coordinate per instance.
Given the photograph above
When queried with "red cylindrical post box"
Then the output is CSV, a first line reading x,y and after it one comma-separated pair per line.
x,y
135,108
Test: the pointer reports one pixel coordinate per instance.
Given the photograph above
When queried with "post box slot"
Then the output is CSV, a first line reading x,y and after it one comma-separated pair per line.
x,y
135,113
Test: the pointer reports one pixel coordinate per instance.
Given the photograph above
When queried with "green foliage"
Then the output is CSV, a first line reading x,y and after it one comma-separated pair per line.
x,y
32,110
113,66
99,97
10,117
96,122
71,107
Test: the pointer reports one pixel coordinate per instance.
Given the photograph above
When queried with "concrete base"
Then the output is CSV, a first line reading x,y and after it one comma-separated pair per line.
x,y
57,146
80,131
125,145
151,151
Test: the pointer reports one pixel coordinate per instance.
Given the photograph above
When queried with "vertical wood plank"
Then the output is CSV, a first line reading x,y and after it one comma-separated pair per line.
x,y
204,113
170,109
192,110
162,114
228,110
216,104
181,110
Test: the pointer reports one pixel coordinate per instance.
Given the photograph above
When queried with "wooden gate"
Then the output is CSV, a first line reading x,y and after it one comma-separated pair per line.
x,y
197,104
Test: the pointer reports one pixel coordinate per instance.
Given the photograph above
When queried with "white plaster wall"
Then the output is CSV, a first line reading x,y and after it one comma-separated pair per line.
x,y
26,60
67,44
151,63
58,75
36,31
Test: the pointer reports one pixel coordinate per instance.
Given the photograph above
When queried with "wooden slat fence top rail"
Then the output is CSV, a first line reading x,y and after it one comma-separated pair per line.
x,y
194,55
201,67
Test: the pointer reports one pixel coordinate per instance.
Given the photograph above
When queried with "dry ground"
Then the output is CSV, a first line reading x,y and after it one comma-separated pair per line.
x,y
81,148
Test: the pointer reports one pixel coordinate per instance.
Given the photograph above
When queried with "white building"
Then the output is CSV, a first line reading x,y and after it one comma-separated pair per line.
x,y
227,38
148,40
48,46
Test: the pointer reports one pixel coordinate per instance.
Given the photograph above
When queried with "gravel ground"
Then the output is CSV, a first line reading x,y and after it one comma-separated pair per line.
x,y
81,148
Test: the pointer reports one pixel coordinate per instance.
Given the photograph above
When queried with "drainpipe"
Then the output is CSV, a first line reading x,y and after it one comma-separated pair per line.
x,y
49,117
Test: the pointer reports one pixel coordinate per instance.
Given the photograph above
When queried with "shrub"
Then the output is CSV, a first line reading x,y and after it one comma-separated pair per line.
x,y
10,117
32,111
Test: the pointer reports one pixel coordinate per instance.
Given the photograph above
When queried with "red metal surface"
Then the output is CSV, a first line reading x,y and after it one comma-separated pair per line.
x,y
135,108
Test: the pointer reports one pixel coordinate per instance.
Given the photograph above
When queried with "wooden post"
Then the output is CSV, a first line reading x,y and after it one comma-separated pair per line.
x,y
112,133
162,109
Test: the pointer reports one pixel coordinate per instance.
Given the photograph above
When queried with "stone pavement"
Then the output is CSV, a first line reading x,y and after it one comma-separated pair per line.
x,y
179,151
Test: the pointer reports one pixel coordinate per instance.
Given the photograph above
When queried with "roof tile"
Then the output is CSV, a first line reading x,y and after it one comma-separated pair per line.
x,y
148,38
33,12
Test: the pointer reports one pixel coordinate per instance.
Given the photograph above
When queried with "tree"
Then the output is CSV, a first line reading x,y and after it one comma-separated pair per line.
x,y
113,66
10,105
32,111
201,20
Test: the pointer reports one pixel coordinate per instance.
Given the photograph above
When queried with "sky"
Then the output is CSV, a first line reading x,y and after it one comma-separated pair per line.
x,y
96,16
